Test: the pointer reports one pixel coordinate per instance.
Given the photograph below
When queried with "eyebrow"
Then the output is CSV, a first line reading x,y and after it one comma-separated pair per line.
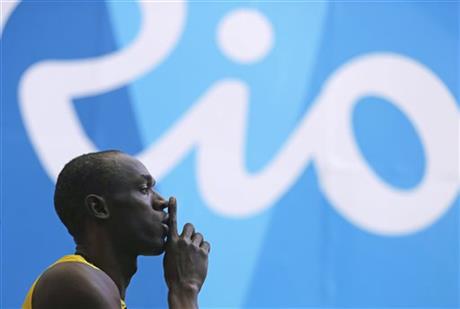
x,y
149,179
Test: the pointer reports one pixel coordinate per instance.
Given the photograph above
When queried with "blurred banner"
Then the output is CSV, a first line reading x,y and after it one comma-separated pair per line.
x,y
315,144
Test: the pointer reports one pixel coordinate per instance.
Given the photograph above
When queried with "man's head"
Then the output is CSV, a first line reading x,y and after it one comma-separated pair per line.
x,y
112,192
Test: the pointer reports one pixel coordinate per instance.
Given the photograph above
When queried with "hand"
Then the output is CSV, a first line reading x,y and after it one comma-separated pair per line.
x,y
185,261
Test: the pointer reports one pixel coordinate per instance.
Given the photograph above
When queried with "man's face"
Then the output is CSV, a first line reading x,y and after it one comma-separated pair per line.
x,y
137,219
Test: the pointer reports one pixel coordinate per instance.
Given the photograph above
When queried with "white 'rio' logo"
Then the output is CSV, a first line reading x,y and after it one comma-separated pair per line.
x,y
215,126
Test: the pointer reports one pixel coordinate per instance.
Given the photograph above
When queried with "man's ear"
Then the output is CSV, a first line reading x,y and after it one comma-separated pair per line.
x,y
97,206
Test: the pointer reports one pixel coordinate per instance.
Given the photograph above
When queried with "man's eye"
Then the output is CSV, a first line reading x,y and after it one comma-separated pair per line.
x,y
145,190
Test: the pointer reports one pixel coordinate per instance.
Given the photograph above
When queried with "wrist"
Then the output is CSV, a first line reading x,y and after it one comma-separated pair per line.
x,y
183,297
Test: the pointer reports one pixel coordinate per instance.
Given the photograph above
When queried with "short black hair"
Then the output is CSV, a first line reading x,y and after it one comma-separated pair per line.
x,y
91,173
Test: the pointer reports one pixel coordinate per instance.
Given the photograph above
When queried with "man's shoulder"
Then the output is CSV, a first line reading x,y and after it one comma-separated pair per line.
x,y
75,285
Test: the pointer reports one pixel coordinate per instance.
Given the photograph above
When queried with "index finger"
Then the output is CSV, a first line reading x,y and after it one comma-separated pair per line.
x,y
172,211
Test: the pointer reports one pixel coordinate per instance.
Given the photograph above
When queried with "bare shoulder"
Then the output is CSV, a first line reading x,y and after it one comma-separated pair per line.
x,y
75,285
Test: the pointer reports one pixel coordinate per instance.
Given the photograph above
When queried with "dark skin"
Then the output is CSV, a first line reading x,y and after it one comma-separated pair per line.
x,y
127,221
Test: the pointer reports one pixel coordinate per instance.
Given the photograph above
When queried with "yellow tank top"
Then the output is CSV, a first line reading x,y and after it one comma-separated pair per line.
x,y
68,258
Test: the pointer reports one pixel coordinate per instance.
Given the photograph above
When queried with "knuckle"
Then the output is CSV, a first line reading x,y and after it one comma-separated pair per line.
x,y
181,242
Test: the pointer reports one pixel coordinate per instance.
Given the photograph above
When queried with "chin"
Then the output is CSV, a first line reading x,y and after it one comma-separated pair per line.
x,y
155,249
158,251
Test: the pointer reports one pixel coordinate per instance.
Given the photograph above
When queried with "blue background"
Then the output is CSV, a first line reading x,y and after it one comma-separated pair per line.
x,y
298,253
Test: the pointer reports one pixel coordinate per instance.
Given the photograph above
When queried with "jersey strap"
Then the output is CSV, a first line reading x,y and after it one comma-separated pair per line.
x,y
65,259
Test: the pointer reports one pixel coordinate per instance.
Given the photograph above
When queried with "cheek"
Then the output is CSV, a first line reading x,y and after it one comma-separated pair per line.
x,y
131,226
138,222
150,225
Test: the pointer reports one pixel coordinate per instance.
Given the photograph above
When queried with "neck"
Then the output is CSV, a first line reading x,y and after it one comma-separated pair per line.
x,y
119,266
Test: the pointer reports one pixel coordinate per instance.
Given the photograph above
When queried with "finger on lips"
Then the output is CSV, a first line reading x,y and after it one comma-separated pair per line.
x,y
188,230
172,212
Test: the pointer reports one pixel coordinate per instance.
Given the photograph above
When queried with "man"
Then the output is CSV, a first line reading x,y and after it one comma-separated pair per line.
x,y
107,202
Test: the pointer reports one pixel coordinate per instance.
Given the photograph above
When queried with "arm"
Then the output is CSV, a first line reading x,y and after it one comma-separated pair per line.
x,y
185,263
74,285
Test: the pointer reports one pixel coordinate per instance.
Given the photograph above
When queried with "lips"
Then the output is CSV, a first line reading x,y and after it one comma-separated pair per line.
x,y
165,224
166,229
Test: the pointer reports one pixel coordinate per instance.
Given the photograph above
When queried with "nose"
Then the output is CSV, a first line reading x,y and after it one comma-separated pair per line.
x,y
158,202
